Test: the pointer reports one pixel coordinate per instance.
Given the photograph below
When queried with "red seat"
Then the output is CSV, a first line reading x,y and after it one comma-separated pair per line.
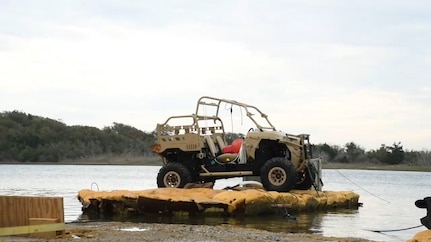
x,y
234,147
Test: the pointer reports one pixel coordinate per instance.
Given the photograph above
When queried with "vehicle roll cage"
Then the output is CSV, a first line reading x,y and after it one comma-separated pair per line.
x,y
207,101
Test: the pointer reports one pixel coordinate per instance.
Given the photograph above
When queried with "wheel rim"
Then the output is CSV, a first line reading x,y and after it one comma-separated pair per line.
x,y
172,179
301,179
277,176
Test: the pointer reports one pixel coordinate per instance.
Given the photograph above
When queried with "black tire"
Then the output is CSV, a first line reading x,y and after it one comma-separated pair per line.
x,y
305,181
278,174
173,174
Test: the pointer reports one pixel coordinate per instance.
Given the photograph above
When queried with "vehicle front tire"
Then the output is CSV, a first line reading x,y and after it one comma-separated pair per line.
x,y
278,174
173,174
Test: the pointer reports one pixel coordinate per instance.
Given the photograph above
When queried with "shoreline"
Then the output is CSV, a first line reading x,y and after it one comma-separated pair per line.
x,y
370,166
157,162
128,231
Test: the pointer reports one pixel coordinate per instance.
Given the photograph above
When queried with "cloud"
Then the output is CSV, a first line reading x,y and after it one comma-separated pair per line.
x,y
351,73
368,118
140,68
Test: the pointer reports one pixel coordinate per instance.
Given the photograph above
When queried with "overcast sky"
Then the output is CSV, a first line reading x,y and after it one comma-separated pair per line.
x,y
339,70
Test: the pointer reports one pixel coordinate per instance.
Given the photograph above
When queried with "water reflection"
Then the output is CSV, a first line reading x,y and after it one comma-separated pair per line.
x,y
301,224
310,222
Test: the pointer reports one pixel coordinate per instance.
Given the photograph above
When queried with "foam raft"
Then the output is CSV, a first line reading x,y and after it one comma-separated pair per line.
x,y
422,236
211,201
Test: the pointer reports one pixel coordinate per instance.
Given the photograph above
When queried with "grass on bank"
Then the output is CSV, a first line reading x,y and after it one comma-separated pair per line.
x,y
372,166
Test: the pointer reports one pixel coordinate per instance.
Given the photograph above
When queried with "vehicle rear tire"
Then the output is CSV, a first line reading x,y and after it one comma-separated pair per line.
x,y
305,182
173,174
278,174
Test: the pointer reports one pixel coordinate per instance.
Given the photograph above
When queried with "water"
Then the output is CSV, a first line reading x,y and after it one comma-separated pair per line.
x,y
388,198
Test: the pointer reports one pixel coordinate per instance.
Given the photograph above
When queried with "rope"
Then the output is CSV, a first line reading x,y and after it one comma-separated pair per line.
x,y
231,120
231,115
394,230
362,187
93,183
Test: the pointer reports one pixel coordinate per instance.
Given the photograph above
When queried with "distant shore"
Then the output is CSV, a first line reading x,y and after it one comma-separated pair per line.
x,y
157,161
101,160
371,166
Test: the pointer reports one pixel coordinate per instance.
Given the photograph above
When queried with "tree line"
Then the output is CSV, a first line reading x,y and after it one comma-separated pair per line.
x,y
29,138
352,153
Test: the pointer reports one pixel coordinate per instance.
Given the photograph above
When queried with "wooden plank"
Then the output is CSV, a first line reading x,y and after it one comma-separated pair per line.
x,y
13,211
29,229
16,210
44,235
3,215
45,207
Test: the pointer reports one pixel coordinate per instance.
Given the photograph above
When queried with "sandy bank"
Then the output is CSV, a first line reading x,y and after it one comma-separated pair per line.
x,y
119,231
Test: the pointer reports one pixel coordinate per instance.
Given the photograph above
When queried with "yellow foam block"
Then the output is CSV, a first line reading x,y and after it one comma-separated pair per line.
x,y
198,195
284,198
423,236
257,201
86,195
248,201
234,199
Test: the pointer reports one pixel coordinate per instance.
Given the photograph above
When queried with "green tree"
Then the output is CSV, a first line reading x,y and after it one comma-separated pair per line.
x,y
388,154
25,137
396,154
380,155
330,150
354,153
327,152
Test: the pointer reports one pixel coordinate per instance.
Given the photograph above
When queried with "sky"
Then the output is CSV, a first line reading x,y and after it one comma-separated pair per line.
x,y
341,71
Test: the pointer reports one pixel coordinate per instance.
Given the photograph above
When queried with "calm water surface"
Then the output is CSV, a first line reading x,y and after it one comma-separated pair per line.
x,y
388,197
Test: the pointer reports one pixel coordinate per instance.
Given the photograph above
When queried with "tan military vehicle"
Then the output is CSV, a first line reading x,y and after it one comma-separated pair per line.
x,y
195,150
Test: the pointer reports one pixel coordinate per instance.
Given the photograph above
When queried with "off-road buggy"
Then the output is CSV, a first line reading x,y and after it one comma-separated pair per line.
x,y
192,150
